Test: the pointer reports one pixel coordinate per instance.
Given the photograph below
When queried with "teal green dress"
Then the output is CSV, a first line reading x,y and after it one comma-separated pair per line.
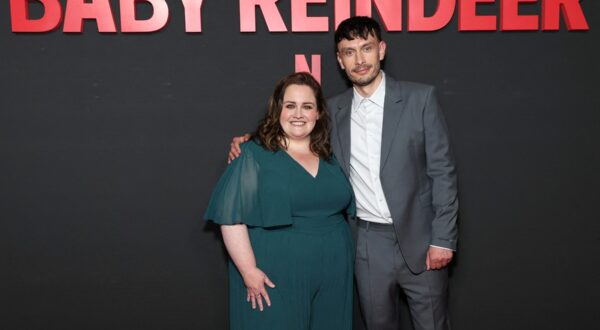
x,y
299,236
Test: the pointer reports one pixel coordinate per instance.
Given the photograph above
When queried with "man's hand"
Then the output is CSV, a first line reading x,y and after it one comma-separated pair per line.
x,y
235,151
438,258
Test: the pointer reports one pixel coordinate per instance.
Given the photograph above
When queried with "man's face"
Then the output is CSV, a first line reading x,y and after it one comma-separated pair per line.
x,y
361,58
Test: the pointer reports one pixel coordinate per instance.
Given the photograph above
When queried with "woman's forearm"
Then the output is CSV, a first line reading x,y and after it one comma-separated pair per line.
x,y
238,245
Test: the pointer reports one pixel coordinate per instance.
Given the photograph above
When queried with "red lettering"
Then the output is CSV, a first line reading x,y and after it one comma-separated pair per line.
x,y
302,65
510,20
302,23
193,15
342,11
390,12
158,20
417,20
468,19
19,14
78,10
571,10
270,12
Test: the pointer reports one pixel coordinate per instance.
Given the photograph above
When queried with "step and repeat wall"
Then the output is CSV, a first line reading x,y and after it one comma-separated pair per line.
x,y
116,119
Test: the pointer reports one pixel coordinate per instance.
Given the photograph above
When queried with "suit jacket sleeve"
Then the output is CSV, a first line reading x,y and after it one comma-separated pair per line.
x,y
442,171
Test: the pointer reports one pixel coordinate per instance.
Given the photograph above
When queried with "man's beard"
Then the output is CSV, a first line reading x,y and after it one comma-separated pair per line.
x,y
365,81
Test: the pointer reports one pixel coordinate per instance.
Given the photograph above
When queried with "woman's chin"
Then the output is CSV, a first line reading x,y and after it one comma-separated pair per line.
x,y
298,137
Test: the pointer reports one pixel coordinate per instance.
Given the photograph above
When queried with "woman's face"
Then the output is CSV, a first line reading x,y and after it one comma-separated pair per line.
x,y
299,112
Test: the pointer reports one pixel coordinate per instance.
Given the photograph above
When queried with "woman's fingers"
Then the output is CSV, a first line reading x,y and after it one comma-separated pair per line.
x,y
265,295
256,298
259,302
256,290
268,282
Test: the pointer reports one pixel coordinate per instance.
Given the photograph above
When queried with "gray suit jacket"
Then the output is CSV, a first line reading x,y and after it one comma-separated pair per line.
x,y
417,167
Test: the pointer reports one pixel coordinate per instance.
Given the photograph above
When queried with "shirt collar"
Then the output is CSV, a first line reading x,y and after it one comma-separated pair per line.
x,y
378,97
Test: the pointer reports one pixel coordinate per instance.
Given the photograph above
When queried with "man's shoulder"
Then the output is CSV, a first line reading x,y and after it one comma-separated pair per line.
x,y
408,87
344,96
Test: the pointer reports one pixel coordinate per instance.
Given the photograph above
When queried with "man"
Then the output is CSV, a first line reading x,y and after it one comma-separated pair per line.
x,y
391,140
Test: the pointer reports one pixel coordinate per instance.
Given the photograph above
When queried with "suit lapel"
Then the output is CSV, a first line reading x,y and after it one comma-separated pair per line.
x,y
342,118
392,111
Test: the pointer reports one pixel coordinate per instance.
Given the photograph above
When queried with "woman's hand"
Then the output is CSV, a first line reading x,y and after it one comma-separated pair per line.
x,y
238,245
255,280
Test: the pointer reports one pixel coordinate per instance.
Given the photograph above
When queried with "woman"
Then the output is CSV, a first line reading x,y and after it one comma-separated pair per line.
x,y
281,208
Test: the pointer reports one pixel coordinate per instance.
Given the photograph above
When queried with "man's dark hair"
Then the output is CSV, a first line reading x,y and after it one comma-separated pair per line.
x,y
357,27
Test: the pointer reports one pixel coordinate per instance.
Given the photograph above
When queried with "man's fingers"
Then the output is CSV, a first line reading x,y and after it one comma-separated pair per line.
x,y
234,152
235,149
253,299
235,146
439,263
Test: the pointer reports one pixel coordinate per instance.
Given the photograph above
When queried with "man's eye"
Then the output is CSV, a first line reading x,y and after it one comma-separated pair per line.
x,y
348,53
367,49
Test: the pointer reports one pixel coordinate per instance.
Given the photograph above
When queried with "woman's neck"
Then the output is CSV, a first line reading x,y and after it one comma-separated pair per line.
x,y
298,146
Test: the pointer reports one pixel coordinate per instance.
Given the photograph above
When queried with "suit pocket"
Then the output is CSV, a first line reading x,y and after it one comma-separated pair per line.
x,y
361,245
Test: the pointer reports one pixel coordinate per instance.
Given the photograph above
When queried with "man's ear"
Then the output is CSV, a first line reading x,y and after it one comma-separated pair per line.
x,y
337,55
382,47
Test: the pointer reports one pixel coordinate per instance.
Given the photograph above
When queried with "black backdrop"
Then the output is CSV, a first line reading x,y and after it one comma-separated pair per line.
x,y
111,143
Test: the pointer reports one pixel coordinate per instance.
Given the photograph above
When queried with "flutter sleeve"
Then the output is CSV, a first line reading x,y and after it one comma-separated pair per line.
x,y
238,197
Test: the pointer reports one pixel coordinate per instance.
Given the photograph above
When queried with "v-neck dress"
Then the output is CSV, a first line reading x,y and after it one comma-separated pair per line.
x,y
299,235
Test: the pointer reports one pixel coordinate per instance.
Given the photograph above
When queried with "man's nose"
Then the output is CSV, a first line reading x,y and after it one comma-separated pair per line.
x,y
360,58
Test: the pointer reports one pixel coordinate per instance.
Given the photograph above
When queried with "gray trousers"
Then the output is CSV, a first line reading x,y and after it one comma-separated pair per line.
x,y
382,275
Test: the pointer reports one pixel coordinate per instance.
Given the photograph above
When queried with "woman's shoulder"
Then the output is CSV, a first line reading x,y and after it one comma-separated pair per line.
x,y
253,148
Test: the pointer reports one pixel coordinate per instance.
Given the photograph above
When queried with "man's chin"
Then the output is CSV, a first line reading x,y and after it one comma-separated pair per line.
x,y
363,82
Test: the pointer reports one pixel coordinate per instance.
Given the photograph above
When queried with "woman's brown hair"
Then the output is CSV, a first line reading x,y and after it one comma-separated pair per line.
x,y
270,133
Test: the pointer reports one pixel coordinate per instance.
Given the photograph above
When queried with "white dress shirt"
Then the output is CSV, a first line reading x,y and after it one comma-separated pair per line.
x,y
366,128
366,124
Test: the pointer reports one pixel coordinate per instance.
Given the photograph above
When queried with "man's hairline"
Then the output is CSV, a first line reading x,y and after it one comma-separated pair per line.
x,y
337,50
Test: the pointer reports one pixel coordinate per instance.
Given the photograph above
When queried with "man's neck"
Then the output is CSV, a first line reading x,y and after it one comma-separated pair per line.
x,y
368,90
